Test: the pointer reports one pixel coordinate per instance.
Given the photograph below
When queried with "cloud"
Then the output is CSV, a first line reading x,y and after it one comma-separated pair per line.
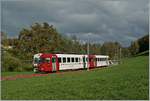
x,y
107,20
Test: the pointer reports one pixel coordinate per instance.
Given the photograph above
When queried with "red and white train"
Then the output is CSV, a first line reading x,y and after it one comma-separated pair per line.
x,y
54,62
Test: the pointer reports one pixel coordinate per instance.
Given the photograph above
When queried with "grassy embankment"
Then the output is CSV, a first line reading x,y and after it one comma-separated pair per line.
x,y
128,80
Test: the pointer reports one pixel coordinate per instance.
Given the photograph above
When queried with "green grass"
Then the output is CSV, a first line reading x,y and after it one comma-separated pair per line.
x,y
3,74
128,80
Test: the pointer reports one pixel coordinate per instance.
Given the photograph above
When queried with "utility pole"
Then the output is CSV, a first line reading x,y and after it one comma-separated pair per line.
x,y
120,54
117,53
88,54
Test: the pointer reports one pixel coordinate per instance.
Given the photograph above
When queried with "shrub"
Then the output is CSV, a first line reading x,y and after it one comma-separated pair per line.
x,y
27,67
11,63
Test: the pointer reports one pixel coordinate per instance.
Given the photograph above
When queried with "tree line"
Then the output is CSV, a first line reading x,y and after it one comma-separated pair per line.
x,y
44,38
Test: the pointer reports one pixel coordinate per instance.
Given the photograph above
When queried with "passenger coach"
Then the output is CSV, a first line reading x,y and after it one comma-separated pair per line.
x,y
56,62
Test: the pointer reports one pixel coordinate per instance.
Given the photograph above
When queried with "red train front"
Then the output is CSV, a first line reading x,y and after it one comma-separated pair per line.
x,y
48,63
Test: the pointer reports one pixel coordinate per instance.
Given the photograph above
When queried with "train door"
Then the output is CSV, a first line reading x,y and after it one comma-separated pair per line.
x,y
84,62
54,64
92,62
45,64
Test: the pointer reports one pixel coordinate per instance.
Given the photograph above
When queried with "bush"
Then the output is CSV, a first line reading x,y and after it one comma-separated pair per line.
x,y
27,67
11,63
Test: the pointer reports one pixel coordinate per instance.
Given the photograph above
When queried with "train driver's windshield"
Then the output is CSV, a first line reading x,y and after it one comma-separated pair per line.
x,y
44,60
36,60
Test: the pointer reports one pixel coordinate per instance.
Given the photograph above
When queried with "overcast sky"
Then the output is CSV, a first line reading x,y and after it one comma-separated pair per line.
x,y
105,20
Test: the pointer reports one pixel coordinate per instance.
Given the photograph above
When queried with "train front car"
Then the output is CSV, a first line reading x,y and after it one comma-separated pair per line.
x,y
48,63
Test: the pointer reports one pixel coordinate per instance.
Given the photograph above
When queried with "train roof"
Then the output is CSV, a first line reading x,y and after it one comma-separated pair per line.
x,y
37,55
102,56
79,55
72,55
69,55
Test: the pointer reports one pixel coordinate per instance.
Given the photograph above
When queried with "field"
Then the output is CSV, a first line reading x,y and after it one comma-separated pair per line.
x,y
128,80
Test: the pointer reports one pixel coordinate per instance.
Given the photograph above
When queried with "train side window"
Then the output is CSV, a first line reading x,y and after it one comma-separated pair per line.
x,y
86,59
59,60
64,60
68,59
72,59
96,59
101,59
104,59
79,59
76,59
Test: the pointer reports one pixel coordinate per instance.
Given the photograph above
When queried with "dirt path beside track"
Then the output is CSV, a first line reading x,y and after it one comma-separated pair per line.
x,y
21,76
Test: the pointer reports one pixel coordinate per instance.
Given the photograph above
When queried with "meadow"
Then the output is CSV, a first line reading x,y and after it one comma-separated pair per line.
x,y
128,81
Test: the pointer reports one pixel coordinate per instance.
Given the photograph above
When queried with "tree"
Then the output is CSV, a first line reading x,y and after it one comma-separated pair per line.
x,y
4,38
134,48
39,38
143,43
125,52
111,49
